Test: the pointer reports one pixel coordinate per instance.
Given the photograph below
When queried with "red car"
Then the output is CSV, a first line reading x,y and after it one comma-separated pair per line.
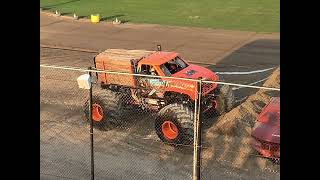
x,y
266,132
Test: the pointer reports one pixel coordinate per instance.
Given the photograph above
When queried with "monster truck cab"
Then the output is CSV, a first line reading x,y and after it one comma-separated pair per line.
x,y
170,64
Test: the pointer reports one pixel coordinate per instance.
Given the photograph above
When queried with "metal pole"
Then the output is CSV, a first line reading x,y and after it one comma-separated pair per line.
x,y
197,134
91,126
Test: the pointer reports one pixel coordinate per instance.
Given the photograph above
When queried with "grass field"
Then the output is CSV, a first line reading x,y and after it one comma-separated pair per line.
x,y
247,15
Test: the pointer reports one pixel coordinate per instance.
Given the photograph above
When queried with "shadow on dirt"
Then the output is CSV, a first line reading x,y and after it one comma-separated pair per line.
x,y
263,52
66,14
256,55
110,18
208,121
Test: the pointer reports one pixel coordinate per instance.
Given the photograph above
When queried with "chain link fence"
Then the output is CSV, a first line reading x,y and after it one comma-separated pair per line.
x,y
144,128
64,136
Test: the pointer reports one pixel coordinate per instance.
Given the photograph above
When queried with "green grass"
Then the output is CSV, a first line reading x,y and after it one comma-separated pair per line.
x,y
246,15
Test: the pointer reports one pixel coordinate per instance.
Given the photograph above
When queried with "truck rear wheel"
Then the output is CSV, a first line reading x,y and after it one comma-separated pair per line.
x,y
174,124
107,107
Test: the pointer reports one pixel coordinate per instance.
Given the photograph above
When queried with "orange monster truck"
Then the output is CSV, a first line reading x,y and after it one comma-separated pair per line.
x,y
173,99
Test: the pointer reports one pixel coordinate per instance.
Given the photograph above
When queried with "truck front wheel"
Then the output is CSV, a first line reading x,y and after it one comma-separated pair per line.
x,y
174,124
224,101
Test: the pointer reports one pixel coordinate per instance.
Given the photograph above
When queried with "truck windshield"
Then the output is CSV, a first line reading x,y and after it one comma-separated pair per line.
x,y
173,66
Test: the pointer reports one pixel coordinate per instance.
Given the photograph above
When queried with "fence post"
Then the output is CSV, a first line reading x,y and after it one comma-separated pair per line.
x,y
91,125
197,134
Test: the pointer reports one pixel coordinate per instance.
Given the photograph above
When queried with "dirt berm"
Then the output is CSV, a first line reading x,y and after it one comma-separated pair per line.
x,y
228,140
238,122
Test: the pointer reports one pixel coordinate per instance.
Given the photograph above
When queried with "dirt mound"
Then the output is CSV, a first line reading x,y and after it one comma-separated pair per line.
x,y
228,141
240,120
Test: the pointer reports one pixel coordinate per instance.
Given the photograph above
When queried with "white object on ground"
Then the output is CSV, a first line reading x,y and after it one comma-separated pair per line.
x,y
84,81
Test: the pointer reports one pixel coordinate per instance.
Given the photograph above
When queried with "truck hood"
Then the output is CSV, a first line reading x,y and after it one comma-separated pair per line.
x,y
266,132
195,72
267,126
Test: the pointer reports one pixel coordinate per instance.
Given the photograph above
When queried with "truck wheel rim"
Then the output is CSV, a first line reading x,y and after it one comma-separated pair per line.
x,y
169,130
97,112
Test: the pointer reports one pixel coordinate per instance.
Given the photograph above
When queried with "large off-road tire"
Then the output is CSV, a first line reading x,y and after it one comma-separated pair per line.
x,y
224,100
174,124
107,107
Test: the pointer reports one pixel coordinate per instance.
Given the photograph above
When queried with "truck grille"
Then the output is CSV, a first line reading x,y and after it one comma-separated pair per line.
x,y
268,145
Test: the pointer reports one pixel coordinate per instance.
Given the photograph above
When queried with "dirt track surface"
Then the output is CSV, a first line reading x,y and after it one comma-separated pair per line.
x,y
132,150
205,45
